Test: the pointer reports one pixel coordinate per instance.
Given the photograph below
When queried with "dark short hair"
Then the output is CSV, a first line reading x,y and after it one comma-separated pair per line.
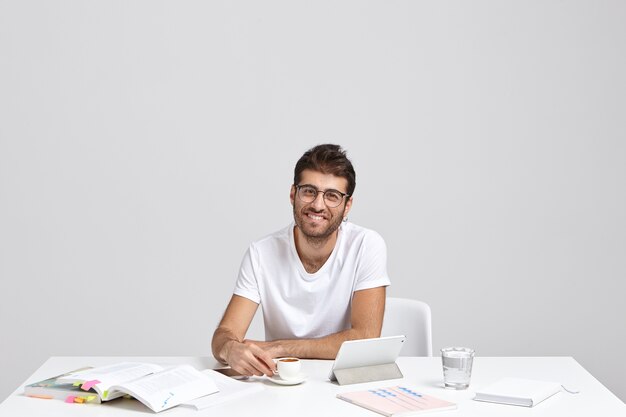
x,y
327,159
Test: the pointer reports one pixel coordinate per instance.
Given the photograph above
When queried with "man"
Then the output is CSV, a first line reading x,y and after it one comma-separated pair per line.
x,y
321,281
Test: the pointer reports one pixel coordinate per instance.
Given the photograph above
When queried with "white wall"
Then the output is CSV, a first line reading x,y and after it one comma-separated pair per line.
x,y
144,144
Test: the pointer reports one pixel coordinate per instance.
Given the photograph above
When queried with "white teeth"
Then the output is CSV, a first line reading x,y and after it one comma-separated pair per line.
x,y
314,217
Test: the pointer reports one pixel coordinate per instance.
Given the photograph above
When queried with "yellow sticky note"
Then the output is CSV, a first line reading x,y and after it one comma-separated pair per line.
x,y
79,400
105,394
77,384
91,398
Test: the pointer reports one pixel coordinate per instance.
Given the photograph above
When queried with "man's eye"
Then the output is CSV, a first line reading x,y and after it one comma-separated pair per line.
x,y
332,196
309,191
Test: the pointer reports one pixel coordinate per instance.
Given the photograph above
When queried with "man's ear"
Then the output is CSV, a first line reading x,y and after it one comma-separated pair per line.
x,y
348,207
292,194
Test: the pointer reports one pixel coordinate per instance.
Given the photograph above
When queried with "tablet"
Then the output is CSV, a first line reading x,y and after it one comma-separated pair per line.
x,y
367,352
230,372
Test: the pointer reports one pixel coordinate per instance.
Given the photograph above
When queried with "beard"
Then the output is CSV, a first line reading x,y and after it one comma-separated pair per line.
x,y
317,233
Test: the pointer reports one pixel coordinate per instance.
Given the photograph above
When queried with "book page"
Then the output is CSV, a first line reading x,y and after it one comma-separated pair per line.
x,y
229,390
110,375
169,388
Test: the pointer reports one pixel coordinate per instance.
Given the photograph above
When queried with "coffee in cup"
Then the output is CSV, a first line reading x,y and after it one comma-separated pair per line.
x,y
288,368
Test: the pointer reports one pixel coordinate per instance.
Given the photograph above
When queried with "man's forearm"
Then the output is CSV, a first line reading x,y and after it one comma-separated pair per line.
x,y
219,345
321,348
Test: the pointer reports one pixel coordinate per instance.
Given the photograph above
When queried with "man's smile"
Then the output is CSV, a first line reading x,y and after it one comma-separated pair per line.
x,y
315,216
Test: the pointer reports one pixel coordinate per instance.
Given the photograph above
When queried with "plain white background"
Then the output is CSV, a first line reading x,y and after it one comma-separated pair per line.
x,y
144,144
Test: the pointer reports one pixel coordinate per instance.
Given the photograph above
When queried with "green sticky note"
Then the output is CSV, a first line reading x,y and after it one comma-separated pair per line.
x,y
105,394
77,384
91,398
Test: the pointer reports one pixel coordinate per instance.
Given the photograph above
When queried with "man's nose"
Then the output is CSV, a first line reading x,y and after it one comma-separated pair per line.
x,y
319,202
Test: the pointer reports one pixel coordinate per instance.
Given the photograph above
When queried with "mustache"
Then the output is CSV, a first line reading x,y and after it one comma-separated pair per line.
x,y
313,211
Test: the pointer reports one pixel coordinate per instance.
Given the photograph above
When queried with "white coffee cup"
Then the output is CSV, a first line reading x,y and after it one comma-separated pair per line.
x,y
288,368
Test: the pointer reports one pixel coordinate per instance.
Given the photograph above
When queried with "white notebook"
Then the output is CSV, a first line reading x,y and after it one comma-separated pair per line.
x,y
516,391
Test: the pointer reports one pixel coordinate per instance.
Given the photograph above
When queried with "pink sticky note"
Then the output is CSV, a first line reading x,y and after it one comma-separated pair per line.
x,y
70,399
87,385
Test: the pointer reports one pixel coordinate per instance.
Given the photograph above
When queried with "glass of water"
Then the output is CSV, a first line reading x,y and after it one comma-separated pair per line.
x,y
457,366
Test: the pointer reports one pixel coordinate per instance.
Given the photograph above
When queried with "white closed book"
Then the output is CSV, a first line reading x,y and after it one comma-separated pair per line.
x,y
516,391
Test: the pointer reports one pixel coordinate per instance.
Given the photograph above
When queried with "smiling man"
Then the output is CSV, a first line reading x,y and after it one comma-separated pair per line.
x,y
320,281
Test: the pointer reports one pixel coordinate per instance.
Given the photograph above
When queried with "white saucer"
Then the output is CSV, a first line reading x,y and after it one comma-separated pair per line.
x,y
295,381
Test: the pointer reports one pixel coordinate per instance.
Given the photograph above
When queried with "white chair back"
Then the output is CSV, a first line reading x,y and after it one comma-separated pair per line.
x,y
411,318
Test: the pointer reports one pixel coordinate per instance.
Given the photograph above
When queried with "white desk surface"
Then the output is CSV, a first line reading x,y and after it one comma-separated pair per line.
x,y
316,397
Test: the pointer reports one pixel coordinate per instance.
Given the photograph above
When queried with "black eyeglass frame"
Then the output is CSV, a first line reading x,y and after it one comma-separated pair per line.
x,y
299,186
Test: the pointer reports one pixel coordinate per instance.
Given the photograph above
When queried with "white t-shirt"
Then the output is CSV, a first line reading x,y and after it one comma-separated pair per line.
x,y
297,304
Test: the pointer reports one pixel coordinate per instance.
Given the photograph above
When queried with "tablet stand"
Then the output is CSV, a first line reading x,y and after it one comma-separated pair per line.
x,y
367,373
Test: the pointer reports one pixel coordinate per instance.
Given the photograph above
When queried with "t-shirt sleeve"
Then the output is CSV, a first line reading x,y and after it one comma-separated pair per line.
x,y
246,285
372,268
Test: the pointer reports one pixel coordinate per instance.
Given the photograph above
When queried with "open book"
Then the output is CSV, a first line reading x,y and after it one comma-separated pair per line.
x,y
157,387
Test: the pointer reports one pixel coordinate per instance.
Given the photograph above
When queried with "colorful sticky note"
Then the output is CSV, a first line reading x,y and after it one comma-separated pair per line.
x,y
76,384
90,398
105,394
70,399
79,400
88,384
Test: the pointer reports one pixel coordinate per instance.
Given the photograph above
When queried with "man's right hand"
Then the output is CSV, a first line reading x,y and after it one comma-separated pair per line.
x,y
248,359
228,345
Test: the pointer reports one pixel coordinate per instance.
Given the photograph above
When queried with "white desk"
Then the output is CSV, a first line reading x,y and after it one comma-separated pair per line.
x,y
316,397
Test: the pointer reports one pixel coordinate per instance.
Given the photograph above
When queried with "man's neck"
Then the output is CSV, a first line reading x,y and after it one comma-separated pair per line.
x,y
314,252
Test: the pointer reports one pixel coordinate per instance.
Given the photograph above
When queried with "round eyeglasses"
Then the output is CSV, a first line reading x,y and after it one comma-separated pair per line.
x,y
308,194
